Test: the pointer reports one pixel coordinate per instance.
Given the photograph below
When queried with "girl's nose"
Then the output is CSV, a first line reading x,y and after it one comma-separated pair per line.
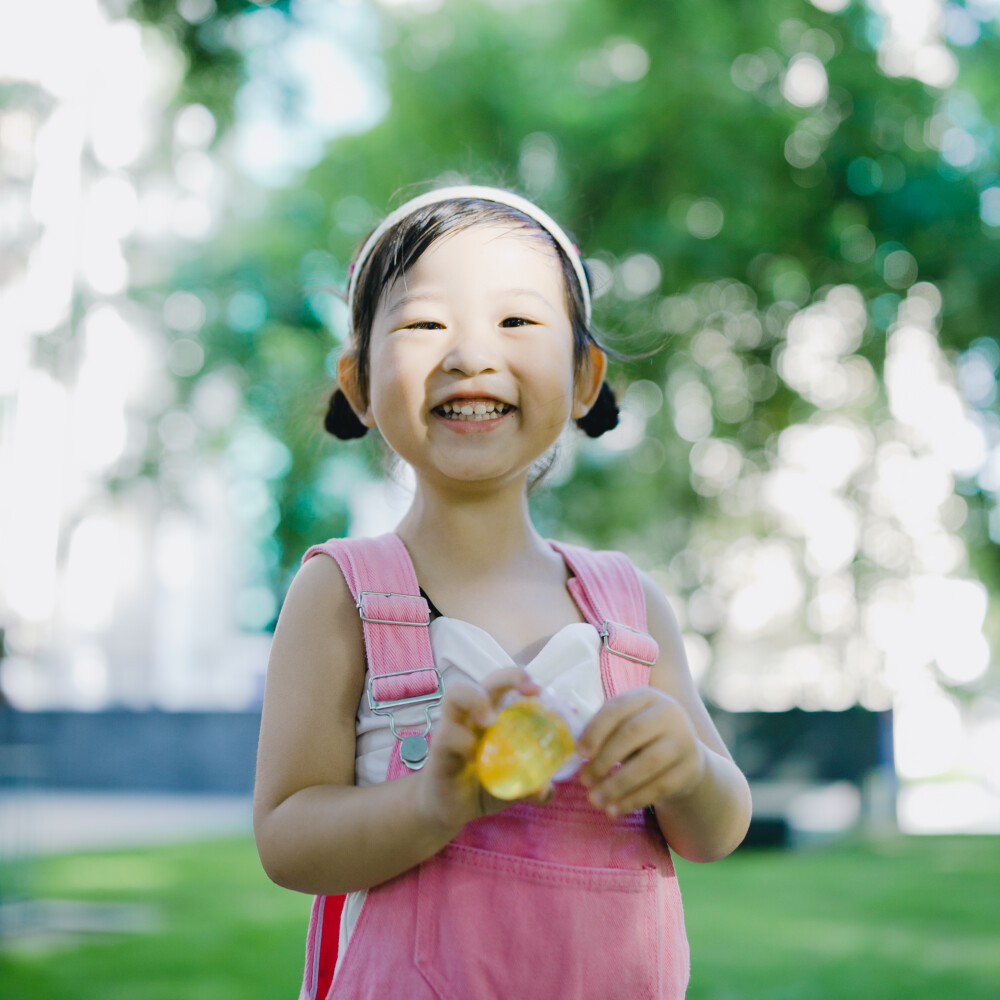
x,y
471,352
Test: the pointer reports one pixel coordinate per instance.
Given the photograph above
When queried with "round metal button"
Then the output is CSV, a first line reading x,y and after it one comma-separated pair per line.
x,y
413,751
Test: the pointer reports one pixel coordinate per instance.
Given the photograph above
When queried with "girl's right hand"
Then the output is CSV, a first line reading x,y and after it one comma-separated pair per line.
x,y
452,793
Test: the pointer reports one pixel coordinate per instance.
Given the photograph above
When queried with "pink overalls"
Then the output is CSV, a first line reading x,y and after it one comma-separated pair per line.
x,y
557,902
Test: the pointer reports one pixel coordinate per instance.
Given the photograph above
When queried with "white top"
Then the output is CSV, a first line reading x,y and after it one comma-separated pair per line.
x,y
569,665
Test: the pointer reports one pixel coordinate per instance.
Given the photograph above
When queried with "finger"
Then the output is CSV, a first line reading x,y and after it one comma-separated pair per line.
x,y
637,798
611,715
457,741
633,734
543,796
507,679
467,703
645,767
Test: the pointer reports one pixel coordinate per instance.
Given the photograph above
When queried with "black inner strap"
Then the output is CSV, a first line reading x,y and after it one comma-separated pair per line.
x,y
434,611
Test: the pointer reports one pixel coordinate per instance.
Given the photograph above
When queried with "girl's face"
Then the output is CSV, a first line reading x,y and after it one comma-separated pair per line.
x,y
471,358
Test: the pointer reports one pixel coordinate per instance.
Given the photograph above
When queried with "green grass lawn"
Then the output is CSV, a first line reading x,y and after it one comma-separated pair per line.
x,y
899,919
908,918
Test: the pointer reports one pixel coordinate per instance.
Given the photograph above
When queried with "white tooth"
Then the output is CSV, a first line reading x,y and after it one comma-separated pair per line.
x,y
446,407
467,410
479,408
489,407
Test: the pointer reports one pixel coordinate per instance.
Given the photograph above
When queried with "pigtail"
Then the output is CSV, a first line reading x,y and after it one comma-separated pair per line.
x,y
341,421
602,416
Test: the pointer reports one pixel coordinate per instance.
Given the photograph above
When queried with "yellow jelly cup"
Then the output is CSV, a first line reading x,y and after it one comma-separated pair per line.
x,y
527,744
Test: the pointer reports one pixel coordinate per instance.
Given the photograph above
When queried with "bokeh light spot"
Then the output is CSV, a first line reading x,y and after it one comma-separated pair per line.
x,y
184,312
989,206
704,219
246,311
864,176
857,244
640,275
805,84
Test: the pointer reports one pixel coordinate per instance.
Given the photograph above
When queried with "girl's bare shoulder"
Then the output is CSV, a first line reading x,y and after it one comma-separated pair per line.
x,y
315,677
319,620
662,622
318,592
662,625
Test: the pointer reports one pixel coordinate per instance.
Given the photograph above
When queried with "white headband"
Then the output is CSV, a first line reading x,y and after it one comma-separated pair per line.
x,y
497,195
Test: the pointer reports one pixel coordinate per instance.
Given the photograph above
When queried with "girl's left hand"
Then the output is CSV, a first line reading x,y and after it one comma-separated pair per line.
x,y
651,735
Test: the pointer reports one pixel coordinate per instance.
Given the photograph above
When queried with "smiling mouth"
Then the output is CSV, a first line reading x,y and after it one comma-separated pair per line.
x,y
473,410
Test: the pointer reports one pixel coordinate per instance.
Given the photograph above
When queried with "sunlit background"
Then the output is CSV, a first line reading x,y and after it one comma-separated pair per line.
x,y
839,554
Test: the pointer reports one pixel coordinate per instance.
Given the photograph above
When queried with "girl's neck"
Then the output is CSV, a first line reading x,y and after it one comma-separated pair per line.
x,y
480,532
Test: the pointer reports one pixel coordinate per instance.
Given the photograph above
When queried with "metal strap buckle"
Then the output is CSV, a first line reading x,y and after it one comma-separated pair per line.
x,y
413,747
605,637
386,707
389,621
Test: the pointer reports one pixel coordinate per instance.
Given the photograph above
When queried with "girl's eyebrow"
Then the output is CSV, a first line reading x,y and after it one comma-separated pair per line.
x,y
408,298
534,293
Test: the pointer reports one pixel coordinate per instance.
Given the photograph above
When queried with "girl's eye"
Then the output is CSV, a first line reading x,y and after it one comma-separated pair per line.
x,y
424,324
516,321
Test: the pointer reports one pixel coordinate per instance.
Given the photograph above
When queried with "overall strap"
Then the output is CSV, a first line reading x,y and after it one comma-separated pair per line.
x,y
401,669
401,674
608,591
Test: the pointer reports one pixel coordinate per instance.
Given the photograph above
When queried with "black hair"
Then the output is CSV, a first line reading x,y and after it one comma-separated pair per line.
x,y
403,245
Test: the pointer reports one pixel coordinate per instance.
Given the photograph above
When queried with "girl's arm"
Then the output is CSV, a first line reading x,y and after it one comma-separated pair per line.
x,y
672,756
316,831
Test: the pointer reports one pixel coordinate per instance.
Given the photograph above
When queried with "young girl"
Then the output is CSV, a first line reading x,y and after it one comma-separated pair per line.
x,y
470,353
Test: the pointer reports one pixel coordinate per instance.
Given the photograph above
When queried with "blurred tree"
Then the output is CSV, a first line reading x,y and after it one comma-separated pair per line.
x,y
759,200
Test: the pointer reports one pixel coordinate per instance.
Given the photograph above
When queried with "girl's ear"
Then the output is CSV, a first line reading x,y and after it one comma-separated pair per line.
x,y
589,381
347,381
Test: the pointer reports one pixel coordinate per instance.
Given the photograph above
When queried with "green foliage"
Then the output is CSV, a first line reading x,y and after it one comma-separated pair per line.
x,y
658,130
